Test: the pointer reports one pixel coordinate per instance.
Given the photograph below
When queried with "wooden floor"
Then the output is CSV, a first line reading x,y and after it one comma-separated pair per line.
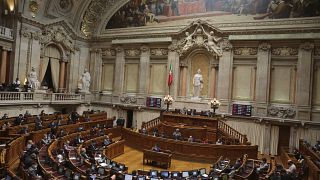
x,y
133,159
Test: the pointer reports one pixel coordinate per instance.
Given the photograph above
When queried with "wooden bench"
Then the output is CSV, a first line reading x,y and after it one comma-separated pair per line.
x,y
160,157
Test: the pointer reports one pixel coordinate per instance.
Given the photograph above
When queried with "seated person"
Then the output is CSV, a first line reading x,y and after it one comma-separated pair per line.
x,y
317,146
156,148
5,125
42,113
24,130
19,120
27,114
60,158
106,141
236,166
292,170
87,118
79,139
38,123
190,139
219,142
176,134
263,167
83,153
67,147
144,131
46,139
5,116
33,171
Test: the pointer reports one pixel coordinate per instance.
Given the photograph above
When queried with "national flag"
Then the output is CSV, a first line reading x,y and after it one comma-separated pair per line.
x,y
170,78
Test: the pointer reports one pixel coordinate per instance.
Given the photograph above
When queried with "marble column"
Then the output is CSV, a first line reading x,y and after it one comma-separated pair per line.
x,y
225,77
144,69
262,79
213,76
3,63
173,59
304,84
184,71
62,75
119,71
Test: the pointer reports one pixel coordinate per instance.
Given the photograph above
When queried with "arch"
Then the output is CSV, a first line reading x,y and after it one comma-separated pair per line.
x,y
200,59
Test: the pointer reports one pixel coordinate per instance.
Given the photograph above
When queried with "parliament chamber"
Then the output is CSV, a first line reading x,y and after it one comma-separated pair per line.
x,y
159,89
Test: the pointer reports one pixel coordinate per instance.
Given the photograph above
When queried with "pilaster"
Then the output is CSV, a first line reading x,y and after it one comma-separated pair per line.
x,y
144,68
304,78
119,71
173,59
95,69
262,79
225,77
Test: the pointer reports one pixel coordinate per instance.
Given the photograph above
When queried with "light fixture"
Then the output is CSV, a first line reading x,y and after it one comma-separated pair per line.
x,y
168,100
214,105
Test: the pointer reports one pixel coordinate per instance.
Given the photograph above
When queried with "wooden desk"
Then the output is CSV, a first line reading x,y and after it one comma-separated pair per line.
x,y
205,152
160,157
190,120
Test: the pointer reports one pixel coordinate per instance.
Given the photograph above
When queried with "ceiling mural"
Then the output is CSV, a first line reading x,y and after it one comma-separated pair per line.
x,y
137,13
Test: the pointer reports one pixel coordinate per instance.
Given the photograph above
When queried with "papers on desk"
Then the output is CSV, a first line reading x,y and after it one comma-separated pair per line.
x,y
72,158
103,164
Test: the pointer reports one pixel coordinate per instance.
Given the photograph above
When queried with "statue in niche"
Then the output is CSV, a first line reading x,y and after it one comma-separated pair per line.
x,y
33,79
85,79
197,84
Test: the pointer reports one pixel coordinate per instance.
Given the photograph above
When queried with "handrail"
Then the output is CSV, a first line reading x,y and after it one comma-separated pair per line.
x,y
6,32
225,128
151,124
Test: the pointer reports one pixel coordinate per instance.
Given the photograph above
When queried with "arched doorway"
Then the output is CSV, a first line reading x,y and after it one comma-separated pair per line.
x,y
50,68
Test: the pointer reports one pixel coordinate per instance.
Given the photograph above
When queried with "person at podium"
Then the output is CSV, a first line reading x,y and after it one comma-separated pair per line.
x,y
156,148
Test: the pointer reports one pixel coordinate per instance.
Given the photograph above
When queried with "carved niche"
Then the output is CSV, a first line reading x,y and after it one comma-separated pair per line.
x,y
281,112
199,35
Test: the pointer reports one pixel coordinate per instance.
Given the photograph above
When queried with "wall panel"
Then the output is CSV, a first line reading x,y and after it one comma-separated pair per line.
x,y
131,77
158,79
243,82
107,77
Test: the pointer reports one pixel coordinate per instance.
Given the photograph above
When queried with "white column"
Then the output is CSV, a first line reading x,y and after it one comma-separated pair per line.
x,y
144,68
304,78
95,69
262,79
3,65
225,77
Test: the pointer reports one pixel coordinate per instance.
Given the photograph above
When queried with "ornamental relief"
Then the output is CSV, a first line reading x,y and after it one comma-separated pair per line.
x,y
284,51
159,52
282,112
58,35
197,36
128,99
132,52
108,52
245,51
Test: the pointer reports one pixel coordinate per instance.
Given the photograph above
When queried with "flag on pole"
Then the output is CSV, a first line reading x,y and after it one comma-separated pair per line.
x,y
170,78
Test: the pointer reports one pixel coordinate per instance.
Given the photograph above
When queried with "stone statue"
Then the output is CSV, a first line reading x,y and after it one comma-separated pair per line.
x,y
188,42
211,42
197,84
86,78
33,79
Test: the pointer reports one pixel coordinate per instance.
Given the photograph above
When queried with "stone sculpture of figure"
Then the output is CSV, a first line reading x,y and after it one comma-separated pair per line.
x,y
212,42
197,84
33,79
86,78
188,41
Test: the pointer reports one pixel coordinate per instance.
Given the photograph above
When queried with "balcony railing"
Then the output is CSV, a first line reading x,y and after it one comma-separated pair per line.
x,y
6,32
30,97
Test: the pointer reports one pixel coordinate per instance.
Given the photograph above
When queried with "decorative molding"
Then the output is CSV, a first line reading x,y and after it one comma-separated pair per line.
x,y
108,52
196,36
128,99
144,48
226,45
57,34
307,46
119,49
132,52
173,47
264,46
245,51
284,51
282,112
159,52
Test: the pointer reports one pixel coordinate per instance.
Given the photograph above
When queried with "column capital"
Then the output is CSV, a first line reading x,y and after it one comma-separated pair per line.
x,y
119,49
226,45
4,48
264,46
144,48
307,46
173,47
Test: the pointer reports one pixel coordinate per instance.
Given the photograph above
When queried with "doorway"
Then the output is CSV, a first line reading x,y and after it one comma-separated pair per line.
x,y
284,137
129,118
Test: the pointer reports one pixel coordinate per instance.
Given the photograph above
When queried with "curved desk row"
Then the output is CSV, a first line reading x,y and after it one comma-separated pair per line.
x,y
207,152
